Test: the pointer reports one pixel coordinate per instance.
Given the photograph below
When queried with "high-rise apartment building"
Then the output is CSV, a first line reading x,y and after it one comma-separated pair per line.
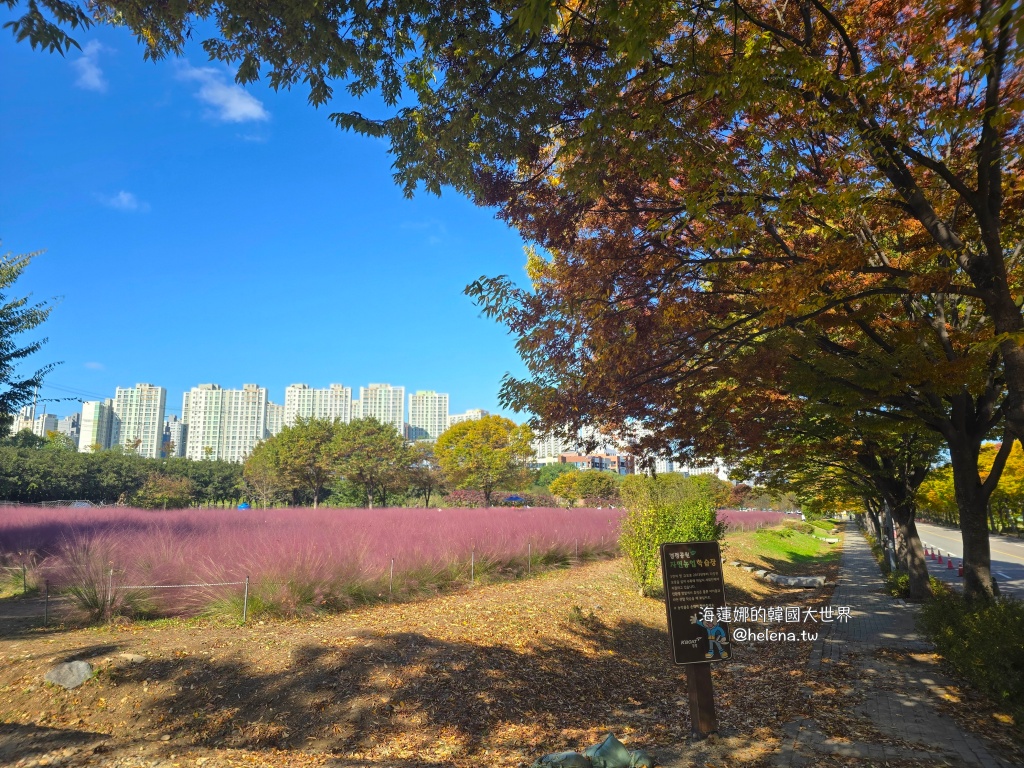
x,y
303,401
140,418
384,403
428,415
224,423
275,419
97,428
71,426
175,437
44,424
471,415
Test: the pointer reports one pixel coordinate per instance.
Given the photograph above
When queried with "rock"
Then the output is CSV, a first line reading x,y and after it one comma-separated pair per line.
x,y
761,574
748,568
735,563
831,541
132,658
70,674
165,737
795,581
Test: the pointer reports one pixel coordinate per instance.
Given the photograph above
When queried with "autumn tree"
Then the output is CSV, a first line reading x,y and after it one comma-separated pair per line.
x,y
425,475
306,455
263,473
485,454
549,472
566,488
729,170
372,455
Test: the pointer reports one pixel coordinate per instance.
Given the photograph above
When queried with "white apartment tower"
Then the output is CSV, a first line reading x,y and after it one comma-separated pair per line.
x,y
275,419
224,424
175,436
384,403
140,418
428,415
302,401
471,415
97,427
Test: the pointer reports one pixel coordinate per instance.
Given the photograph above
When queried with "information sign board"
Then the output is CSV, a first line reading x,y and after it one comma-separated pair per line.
x,y
694,581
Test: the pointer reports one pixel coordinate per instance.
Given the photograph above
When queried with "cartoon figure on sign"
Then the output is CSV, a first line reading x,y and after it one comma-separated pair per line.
x,y
717,639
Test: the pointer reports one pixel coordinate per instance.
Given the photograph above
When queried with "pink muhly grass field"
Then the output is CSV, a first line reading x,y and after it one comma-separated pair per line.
x,y
296,558
749,519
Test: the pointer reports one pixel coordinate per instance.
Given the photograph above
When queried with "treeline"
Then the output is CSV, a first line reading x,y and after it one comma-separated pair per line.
x,y
367,463
33,469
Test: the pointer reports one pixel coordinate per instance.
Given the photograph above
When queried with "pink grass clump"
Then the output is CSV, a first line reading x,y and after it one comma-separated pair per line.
x,y
294,557
750,519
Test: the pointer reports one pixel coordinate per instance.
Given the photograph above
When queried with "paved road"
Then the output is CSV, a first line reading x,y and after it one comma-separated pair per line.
x,y
1007,557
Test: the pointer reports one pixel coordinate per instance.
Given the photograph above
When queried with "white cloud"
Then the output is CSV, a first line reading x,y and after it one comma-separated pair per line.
x,y
125,201
94,366
90,76
231,103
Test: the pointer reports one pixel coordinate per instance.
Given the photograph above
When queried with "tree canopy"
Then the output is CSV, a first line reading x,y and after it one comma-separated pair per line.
x,y
486,454
17,317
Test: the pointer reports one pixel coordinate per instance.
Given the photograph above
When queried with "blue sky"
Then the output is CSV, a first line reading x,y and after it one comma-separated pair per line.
x,y
198,232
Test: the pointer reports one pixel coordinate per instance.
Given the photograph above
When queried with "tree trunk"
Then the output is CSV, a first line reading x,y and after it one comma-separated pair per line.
x,y
972,503
914,562
369,495
487,498
888,539
426,497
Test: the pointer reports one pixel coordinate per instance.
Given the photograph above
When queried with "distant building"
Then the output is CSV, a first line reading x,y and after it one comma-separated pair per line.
x,y
175,436
428,415
547,448
140,419
302,401
384,403
71,426
44,424
620,464
97,428
275,419
224,424
471,415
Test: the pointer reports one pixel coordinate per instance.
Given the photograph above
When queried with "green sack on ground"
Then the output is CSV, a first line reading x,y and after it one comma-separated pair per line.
x,y
563,760
640,759
610,753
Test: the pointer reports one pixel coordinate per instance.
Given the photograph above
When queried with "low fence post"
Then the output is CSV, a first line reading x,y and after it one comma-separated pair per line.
x,y
576,545
46,603
529,558
391,579
472,566
245,601
110,595
24,579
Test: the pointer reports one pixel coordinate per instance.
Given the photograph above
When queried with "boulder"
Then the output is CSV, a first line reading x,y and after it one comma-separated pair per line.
x,y
70,674
795,581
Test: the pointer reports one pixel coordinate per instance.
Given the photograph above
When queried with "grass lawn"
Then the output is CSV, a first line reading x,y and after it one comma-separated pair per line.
x,y
783,550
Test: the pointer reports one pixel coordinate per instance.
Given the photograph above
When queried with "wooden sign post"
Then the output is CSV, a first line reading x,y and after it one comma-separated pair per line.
x,y
694,588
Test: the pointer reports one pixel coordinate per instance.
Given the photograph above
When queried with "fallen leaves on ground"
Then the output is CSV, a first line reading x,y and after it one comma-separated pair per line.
x,y
495,675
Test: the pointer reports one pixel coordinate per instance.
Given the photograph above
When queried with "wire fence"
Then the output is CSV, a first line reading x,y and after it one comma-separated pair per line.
x,y
112,589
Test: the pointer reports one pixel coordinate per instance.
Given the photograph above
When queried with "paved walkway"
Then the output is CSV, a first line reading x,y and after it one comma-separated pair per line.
x,y
897,694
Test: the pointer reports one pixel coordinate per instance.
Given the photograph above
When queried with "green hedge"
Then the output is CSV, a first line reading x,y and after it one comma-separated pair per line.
x,y
983,642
